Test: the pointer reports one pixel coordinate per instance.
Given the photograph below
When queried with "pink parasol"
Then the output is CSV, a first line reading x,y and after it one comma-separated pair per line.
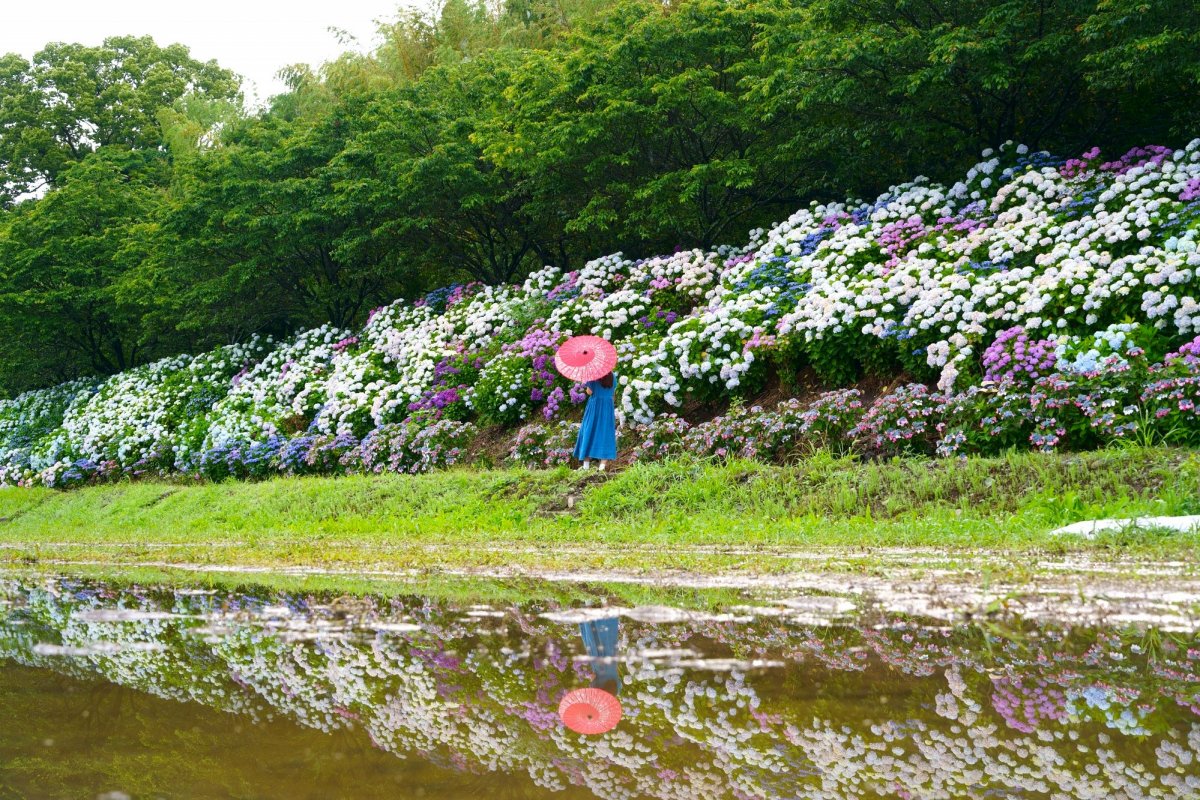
x,y
585,358
590,710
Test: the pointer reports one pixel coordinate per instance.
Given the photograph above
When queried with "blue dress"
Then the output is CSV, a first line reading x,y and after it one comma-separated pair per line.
x,y
598,432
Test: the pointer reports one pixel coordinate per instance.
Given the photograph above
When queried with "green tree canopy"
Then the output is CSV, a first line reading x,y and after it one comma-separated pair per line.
x,y
73,99
256,237
64,308
888,88
640,128
419,172
1145,57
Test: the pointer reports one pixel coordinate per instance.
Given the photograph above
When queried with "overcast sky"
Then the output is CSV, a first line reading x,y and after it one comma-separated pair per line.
x,y
251,37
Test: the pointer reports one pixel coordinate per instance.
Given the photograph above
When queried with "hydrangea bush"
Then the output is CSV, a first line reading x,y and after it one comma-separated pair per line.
x,y
1035,301
540,445
413,446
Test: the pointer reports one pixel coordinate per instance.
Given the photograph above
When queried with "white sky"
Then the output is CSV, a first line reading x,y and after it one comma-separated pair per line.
x,y
254,38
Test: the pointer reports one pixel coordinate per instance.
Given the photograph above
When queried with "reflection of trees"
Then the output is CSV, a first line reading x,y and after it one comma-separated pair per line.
x,y
879,711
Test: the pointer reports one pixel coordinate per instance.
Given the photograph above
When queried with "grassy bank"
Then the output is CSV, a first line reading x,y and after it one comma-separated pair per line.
x,y
693,515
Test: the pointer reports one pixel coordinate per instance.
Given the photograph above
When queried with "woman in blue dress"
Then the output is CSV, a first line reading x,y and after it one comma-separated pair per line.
x,y
598,432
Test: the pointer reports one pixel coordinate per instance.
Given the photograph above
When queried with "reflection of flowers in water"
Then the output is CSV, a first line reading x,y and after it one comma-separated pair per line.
x,y
968,714
539,717
956,704
1115,704
1024,707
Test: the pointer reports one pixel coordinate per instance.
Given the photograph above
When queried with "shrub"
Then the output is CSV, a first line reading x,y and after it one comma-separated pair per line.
x,y
540,444
906,420
503,394
827,422
412,446
318,454
1014,356
241,460
662,438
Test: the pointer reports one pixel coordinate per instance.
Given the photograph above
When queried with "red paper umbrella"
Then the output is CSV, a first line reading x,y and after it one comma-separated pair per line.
x,y
590,710
585,358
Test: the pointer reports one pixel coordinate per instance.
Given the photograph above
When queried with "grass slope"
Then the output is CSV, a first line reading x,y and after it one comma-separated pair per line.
x,y
694,515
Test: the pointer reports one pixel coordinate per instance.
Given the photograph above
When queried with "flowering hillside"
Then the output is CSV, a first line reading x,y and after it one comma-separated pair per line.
x,y
1038,302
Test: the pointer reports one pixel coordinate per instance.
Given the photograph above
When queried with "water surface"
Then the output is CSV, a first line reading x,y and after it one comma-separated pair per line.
x,y
122,690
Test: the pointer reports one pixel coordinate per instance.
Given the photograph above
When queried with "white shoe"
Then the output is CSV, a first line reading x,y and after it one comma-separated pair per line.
x,y
602,466
586,465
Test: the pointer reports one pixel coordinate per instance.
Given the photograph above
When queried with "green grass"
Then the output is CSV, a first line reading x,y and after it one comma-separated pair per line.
x,y
681,515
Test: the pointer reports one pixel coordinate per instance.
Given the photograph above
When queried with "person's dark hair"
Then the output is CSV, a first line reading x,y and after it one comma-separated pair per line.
x,y
607,381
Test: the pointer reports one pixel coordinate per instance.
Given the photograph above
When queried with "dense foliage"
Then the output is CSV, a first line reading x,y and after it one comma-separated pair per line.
x,y
144,212
1053,303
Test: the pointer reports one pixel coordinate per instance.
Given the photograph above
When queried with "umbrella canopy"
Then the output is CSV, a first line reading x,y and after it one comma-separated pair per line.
x,y
590,710
585,358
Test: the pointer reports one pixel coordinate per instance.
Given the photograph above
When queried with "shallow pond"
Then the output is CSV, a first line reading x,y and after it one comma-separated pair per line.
x,y
135,691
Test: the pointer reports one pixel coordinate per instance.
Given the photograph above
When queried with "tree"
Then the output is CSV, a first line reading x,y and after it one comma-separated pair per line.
x,y
63,308
453,31
1147,53
256,238
419,168
640,127
884,89
73,99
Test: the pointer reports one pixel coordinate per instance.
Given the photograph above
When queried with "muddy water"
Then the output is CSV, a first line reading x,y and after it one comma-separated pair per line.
x,y
128,691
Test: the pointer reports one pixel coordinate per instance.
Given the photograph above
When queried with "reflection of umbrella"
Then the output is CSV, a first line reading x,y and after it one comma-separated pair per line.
x,y
585,358
590,710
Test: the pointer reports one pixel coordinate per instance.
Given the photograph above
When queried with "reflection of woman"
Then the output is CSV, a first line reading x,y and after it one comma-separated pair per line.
x,y
596,709
600,639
